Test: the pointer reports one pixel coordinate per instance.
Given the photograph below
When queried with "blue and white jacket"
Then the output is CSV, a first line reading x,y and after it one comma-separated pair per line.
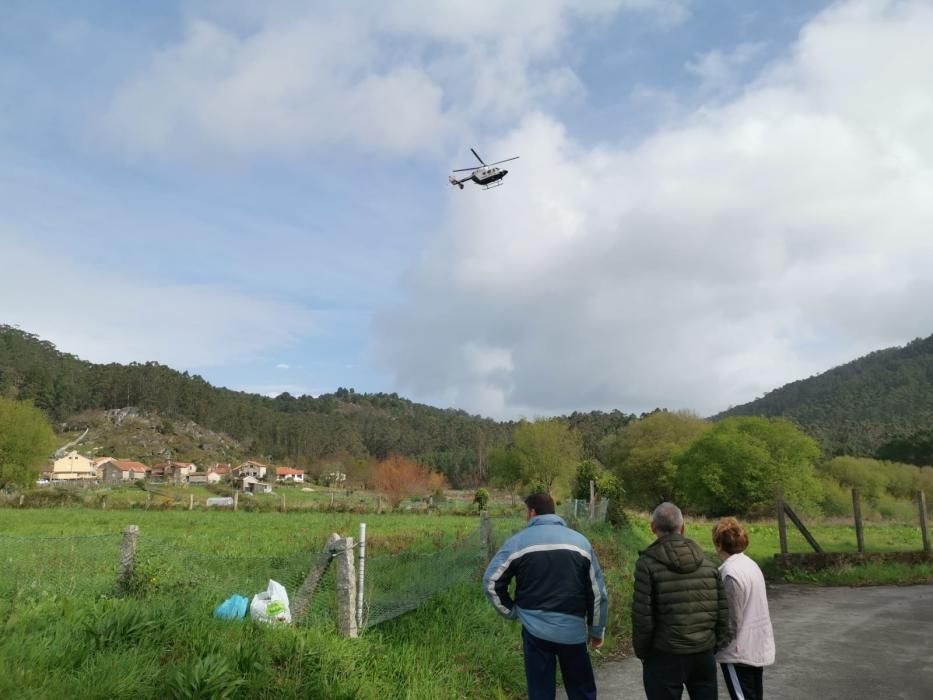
x,y
560,595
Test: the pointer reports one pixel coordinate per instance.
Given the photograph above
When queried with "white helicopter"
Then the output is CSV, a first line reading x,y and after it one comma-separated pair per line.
x,y
486,175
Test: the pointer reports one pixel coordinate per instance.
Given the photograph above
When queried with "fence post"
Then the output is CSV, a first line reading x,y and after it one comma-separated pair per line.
x,y
282,509
857,512
190,501
782,524
346,589
924,530
148,500
236,499
127,558
362,577
485,535
21,499
592,500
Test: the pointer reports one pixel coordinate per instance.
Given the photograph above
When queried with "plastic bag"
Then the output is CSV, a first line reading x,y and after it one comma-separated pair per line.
x,y
271,605
233,608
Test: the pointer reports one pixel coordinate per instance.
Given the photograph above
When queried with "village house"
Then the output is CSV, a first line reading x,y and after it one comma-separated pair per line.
x,y
219,472
174,471
98,464
124,470
254,485
198,478
289,474
252,468
72,467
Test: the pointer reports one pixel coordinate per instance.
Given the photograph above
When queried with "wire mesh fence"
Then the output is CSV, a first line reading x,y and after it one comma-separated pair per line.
x,y
576,510
82,565
398,578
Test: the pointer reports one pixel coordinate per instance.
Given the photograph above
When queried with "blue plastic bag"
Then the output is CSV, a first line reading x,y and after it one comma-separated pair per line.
x,y
233,608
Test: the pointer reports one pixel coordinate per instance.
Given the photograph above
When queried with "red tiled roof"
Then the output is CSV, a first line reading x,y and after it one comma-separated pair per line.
x,y
285,471
126,465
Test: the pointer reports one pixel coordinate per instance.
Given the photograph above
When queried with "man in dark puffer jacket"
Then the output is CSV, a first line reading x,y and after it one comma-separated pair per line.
x,y
680,614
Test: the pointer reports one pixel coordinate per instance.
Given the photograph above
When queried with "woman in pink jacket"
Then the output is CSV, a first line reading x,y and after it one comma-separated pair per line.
x,y
752,645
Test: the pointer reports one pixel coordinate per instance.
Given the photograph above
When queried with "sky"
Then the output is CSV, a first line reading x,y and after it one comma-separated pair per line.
x,y
713,198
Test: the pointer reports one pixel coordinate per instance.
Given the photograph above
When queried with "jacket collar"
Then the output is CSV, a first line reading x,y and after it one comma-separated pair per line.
x,y
549,519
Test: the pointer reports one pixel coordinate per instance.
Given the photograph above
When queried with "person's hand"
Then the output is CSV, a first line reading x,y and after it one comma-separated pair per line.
x,y
596,642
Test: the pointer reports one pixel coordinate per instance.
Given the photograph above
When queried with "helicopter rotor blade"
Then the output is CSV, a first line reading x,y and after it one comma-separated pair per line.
x,y
505,161
477,157
463,170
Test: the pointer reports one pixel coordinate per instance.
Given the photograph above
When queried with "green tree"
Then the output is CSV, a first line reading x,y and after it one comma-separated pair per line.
x,y
548,451
735,467
505,469
26,440
641,455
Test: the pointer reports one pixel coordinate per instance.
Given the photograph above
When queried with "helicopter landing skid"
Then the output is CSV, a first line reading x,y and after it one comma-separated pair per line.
x,y
493,185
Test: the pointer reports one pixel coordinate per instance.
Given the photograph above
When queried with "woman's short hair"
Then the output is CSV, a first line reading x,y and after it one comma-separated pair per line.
x,y
730,536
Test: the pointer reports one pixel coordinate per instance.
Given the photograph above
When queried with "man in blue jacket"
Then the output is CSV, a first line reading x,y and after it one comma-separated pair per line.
x,y
560,598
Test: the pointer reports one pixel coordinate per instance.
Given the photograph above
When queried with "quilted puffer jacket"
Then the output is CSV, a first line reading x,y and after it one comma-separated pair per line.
x,y
679,606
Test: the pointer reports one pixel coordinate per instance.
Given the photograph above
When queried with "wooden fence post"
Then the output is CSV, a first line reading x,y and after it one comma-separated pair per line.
x,y
782,524
282,508
127,558
857,512
346,589
236,499
302,598
924,530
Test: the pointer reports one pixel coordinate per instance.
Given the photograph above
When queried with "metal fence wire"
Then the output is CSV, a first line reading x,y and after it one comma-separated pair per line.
x,y
395,583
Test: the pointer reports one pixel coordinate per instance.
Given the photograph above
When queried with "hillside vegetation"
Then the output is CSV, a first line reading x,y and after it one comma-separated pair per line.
x,y
880,404
285,429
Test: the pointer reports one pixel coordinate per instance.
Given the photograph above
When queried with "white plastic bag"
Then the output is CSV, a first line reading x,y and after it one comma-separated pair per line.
x,y
271,605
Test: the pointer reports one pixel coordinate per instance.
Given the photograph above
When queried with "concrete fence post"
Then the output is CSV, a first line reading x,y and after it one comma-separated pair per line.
x,y
127,558
236,500
190,501
282,508
346,589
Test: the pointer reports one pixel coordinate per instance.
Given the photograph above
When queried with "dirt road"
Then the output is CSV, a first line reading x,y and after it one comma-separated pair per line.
x,y
832,644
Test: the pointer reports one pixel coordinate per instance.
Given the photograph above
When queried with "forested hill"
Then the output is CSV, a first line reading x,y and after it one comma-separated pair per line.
x,y
873,405
284,428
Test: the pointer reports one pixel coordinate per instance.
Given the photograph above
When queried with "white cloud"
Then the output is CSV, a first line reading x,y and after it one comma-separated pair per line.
x,y
755,242
282,365
104,315
718,70
395,77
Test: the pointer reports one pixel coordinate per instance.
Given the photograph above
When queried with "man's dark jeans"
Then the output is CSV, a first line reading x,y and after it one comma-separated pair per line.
x,y
665,676
540,669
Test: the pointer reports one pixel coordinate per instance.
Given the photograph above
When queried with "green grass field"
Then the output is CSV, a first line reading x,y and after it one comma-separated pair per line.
x,y
66,634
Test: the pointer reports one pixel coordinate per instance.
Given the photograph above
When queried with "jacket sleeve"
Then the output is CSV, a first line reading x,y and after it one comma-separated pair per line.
x,y
723,633
642,615
496,580
598,614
